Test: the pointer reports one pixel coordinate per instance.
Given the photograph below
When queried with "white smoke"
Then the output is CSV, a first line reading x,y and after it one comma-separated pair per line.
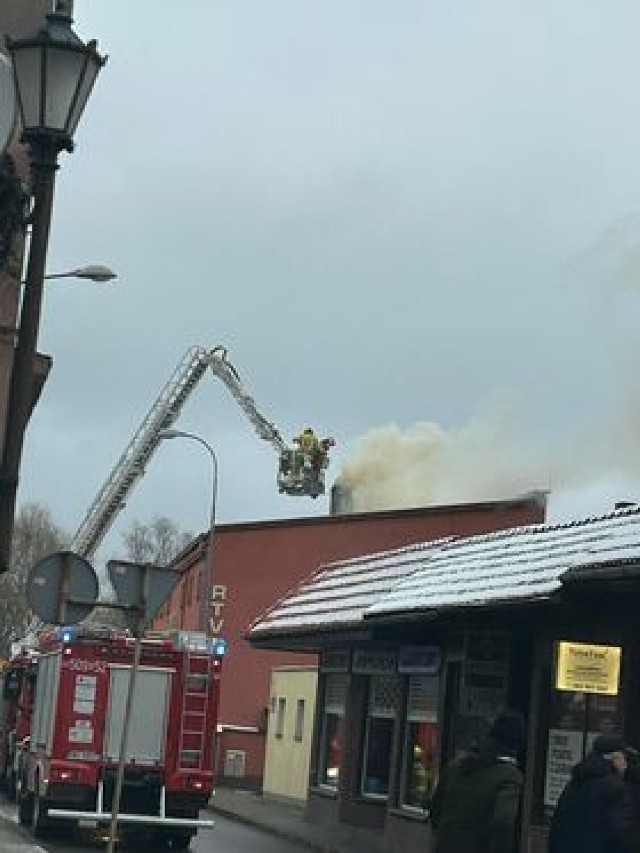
x,y
505,451
486,459
425,464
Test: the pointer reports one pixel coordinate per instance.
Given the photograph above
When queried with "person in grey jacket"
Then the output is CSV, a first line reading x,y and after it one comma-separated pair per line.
x,y
476,806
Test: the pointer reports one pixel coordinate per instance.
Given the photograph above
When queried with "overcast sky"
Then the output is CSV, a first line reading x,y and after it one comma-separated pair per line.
x,y
414,225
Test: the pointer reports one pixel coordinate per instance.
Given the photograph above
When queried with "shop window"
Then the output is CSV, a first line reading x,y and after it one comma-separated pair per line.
x,y
332,730
384,702
282,707
298,730
577,717
421,742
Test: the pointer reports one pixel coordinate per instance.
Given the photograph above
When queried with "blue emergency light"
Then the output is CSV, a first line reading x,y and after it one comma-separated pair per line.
x,y
66,633
218,647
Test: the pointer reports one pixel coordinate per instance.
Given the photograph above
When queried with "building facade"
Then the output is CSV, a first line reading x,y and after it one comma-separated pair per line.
x,y
256,564
424,645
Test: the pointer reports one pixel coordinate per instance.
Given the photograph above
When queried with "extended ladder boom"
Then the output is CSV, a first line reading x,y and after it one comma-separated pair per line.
x,y
131,465
218,363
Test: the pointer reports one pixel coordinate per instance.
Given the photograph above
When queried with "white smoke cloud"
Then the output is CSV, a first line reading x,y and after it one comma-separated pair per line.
x,y
492,457
426,464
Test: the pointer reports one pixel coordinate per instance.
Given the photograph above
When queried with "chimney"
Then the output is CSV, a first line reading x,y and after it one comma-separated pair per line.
x,y
341,500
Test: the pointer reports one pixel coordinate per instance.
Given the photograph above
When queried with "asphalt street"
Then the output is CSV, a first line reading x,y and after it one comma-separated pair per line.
x,y
228,836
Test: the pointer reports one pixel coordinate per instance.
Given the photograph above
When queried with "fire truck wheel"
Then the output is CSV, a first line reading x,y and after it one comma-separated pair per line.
x,y
25,808
39,821
11,784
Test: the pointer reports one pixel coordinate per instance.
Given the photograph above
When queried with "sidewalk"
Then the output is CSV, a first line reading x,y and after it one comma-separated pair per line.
x,y
288,821
14,839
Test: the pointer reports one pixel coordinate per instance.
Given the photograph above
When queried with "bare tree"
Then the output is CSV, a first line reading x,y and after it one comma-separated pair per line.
x,y
157,542
35,535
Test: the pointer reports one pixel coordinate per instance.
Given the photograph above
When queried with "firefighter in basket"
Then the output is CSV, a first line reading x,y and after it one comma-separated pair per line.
x,y
313,451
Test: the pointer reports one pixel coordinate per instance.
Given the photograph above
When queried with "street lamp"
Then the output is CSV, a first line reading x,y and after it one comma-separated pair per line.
x,y
93,272
54,72
207,574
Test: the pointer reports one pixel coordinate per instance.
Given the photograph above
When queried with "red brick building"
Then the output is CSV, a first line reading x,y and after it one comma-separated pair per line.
x,y
256,564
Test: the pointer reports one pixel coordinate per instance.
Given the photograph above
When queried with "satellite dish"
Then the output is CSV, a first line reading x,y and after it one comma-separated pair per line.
x,y
7,102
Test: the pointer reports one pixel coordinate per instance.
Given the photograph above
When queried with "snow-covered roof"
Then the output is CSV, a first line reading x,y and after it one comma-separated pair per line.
x,y
515,565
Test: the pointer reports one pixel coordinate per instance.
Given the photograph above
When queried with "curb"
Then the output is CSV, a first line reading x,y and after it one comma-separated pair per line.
x,y
286,835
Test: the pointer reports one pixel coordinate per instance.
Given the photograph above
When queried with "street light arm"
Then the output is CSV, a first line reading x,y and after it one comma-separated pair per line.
x,y
208,569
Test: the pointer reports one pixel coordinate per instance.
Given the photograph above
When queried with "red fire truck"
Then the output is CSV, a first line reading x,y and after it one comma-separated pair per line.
x,y
17,689
68,762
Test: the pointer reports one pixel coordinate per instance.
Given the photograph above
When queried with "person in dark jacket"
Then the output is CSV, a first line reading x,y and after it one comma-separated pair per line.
x,y
476,806
632,778
593,814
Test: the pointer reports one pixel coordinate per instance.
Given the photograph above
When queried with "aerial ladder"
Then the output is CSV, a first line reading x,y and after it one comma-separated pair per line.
x,y
298,472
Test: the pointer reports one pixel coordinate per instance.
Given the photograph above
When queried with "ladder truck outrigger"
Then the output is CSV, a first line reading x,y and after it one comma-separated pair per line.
x,y
61,694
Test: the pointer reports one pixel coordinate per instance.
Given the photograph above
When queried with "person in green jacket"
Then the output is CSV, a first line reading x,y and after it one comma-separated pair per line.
x,y
476,806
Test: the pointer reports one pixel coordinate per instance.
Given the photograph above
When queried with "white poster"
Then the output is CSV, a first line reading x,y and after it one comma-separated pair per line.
x,y
564,752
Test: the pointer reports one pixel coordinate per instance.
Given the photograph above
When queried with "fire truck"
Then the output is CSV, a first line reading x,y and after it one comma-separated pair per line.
x,y
66,763
17,688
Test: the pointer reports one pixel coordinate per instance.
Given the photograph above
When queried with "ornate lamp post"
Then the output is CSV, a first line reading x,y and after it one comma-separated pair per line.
x,y
207,572
54,73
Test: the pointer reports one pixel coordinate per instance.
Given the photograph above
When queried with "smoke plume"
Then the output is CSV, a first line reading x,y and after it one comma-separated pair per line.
x,y
504,451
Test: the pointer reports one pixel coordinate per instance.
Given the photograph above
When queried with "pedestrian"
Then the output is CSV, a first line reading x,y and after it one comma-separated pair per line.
x,y
594,814
632,778
476,806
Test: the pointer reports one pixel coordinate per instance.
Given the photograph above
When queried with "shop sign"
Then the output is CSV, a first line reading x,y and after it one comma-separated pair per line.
x,y
588,668
419,660
374,663
217,603
564,751
334,661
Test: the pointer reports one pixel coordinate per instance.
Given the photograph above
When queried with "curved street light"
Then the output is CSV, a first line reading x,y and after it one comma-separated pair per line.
x,y
54,72
207,574
93,272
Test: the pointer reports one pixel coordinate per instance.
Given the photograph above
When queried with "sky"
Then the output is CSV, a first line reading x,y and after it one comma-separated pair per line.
x,y
414,225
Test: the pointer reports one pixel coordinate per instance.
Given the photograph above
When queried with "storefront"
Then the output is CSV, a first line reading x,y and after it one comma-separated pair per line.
x,y
529,619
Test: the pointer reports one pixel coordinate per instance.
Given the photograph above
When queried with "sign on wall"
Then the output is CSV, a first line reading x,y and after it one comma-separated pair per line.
x,y
419,660
372,662
564,751
588,668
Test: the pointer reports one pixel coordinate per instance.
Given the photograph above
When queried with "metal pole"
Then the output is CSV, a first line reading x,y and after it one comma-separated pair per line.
x,y
117,791
206,572
44,165
207,580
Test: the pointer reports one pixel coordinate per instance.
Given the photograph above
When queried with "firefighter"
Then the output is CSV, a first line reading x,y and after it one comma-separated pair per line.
x,y
308,442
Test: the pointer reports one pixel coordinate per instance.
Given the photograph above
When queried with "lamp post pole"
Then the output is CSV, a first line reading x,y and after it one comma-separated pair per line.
x,y
54,72
44,165
206,574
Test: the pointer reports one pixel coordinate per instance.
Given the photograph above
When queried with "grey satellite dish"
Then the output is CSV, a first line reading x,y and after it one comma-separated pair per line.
x,y
7,102
62,589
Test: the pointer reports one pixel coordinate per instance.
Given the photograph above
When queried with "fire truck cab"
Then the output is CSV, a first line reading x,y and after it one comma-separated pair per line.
x,y
69,761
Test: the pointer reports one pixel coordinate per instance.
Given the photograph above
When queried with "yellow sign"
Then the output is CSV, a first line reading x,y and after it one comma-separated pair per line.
x,y
588,668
